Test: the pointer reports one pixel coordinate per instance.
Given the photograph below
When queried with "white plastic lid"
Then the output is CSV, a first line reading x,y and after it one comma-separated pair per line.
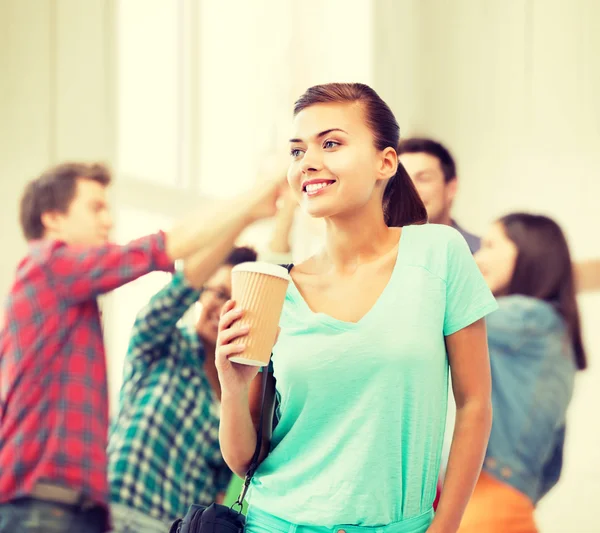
x,y
263,268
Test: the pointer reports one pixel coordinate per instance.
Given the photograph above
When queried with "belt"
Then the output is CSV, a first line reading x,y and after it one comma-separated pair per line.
x,y
50,492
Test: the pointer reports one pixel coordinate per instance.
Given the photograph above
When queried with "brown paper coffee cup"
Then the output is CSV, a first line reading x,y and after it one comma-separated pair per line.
x,y
259,289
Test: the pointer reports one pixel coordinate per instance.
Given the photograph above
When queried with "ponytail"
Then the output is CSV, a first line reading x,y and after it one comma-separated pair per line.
x,y
402,205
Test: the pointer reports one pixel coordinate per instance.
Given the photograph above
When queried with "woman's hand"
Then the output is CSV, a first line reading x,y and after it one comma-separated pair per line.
x,y
235,378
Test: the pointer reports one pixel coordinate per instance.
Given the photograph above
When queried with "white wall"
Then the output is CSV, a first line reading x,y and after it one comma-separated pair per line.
x,y
26,114
55,98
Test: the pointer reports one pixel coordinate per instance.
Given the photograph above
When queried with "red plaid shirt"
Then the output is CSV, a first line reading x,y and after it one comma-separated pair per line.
x,y
53,391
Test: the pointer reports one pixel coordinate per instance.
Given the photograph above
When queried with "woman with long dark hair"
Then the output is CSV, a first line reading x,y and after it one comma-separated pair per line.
x,y
370,327
535,349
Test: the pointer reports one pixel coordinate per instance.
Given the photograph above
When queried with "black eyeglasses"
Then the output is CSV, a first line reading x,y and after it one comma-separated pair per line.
x,y
217,293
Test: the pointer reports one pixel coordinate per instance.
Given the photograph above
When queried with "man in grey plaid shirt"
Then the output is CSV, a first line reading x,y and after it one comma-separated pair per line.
x,y
164,447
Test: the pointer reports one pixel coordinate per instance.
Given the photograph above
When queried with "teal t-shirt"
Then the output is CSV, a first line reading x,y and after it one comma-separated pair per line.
x,y
362,406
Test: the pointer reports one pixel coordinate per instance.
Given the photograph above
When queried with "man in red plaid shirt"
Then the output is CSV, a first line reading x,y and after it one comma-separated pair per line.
x,y
53,390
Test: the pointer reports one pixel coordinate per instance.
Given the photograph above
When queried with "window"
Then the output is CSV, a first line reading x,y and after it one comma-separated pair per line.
x,y
149,84
245,94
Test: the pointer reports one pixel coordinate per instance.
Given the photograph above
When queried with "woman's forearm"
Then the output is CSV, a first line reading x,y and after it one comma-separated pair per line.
x,y
237,434
471,434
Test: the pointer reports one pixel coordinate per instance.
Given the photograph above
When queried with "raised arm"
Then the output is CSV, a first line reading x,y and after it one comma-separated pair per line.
x,y
156,323
280,250
225,217
84,273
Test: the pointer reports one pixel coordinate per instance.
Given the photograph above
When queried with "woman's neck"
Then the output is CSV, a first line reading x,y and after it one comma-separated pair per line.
x,y
358,237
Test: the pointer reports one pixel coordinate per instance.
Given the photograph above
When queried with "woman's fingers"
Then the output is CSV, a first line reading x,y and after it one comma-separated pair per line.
x,y
226,351
227,306
232,333
229,315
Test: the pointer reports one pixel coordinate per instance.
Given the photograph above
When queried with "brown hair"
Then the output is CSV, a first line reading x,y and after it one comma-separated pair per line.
x,y
241,254
544,270
401,201
54,190
422,145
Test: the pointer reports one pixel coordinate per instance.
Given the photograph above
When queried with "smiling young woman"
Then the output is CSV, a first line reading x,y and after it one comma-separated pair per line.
x,y
371,326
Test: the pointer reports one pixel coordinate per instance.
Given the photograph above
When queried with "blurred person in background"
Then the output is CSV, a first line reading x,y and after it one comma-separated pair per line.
x,y
371,324
536,349
432,169
53,390
164,450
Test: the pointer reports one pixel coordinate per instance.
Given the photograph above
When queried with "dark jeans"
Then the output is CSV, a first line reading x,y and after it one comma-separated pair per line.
x,y
29,515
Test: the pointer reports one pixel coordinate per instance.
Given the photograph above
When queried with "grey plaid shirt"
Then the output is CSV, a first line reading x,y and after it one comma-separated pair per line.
x,y
164,449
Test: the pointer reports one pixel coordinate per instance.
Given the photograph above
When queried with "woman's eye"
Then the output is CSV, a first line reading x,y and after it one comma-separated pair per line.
x,y
295,152
330,144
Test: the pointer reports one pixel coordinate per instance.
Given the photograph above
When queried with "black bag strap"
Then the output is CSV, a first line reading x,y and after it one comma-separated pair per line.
x,y
259,433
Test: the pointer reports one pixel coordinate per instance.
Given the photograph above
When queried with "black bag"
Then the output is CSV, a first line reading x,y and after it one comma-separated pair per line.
x,y
214,519
217,518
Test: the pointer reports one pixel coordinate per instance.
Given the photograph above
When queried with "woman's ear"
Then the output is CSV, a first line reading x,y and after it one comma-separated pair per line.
x,y
388,164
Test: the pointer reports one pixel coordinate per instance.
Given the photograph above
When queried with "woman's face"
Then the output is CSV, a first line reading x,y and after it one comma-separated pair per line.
x,y
497,258
335,166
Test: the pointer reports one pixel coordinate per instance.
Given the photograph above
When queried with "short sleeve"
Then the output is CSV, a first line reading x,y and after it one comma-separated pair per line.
x,y
468,298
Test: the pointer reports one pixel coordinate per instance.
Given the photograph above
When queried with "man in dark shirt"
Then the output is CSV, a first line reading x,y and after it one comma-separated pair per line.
x,y
433,171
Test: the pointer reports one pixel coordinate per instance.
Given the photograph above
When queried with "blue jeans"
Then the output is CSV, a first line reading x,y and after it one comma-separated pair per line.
x,y
128,520
29,515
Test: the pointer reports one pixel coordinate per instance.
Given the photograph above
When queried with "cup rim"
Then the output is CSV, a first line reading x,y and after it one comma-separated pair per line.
x,y
262,267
